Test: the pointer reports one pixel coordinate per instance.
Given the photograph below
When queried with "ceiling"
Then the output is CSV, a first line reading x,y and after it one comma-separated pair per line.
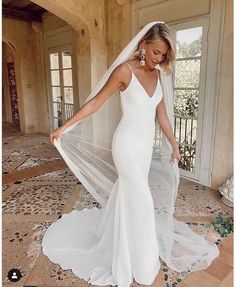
x,y
24,10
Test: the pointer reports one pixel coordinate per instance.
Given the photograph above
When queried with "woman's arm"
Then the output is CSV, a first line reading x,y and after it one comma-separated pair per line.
x,y
113,83
167,129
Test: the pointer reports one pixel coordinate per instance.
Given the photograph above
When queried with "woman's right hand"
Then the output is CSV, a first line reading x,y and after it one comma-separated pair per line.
x,y
56,134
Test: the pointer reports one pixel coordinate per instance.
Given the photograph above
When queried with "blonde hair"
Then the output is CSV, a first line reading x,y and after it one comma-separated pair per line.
x,y
160,31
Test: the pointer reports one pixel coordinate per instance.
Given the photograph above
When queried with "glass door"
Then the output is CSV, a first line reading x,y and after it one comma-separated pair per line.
x,y
61,89
189,83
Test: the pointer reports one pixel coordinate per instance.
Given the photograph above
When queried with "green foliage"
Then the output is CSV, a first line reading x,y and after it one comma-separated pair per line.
x,y
185,50
186,103
187,74
223,225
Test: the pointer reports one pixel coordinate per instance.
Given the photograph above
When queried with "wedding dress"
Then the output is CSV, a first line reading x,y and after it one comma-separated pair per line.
x,y
123,240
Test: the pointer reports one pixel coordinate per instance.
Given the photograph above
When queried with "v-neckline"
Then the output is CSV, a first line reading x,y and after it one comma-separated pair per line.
x,y
143,86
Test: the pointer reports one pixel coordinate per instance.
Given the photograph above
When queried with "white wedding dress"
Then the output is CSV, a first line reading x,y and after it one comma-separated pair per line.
x,y
123,240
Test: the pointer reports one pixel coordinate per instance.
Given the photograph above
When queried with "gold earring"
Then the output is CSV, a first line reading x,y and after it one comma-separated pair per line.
x,y
142,57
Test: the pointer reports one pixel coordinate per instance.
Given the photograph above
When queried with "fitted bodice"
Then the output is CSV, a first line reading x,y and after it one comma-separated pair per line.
x,y
138,108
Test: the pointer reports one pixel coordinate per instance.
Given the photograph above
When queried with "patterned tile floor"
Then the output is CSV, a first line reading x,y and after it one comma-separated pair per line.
x,y
32,204
198,200
29,198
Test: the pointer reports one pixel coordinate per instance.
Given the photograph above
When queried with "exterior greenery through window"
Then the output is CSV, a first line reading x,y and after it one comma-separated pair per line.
x,y
186,93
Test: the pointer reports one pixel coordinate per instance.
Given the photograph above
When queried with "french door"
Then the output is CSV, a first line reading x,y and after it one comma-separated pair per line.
x,y
61,87
189,82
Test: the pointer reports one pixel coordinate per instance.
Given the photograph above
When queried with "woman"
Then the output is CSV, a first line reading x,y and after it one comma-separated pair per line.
x,y
123,240
155,53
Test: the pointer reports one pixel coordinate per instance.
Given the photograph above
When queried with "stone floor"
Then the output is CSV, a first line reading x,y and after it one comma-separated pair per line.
x,y
38,187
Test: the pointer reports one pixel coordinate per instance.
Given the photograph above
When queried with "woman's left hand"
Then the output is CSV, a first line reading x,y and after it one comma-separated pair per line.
x,y
175,154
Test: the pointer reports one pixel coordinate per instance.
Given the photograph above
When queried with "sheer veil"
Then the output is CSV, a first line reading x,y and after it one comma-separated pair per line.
x,y
86,148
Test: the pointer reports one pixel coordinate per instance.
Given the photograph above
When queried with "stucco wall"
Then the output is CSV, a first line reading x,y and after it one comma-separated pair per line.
x,y
118,21
29,76
223,147
51,22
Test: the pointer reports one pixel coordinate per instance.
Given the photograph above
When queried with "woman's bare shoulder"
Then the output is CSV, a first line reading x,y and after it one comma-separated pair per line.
x,y
122,72
122,68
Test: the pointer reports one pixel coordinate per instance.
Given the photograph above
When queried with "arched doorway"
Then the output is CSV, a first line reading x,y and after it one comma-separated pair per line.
x,y
10,106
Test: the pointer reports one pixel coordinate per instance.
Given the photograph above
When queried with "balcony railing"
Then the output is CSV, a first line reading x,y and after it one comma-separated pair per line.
x,y
185,132
69,112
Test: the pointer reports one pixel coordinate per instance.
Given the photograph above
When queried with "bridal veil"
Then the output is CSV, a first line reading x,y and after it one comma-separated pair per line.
x,y
86,148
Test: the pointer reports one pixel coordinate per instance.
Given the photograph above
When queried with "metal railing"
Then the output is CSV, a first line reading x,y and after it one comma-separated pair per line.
x,y
185,132
69,111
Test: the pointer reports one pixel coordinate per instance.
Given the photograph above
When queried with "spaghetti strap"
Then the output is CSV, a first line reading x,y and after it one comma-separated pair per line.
x,y
130,68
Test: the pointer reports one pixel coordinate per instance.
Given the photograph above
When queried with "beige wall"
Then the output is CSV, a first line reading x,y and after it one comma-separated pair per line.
x,y
28,64
118,20
51,22
223,148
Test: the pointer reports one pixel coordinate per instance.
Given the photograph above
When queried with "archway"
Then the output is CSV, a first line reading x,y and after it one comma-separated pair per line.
x,y
10,88
89,23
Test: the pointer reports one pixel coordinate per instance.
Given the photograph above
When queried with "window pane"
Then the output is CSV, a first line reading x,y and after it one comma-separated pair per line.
x,y
187,73
68,94
56,94
54,62
67,77
55,78
57,123
186,103
66,59
57,110
189,42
